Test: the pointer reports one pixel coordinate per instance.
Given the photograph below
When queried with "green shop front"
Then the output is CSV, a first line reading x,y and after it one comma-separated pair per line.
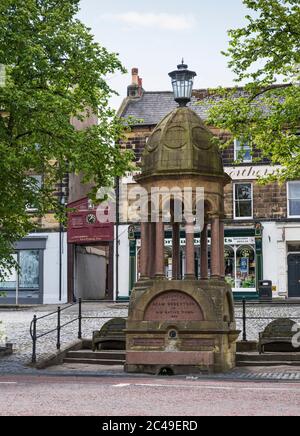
x,y
243,258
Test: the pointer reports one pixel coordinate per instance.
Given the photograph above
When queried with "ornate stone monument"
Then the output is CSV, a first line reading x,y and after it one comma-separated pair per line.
x,y
184,325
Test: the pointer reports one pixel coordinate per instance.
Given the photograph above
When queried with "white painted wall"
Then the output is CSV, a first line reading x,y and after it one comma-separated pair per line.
x,y
123,262
276,238
51,269
270,255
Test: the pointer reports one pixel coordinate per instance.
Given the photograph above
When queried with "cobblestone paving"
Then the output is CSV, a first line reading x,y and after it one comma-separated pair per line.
x,y
254,326
17,322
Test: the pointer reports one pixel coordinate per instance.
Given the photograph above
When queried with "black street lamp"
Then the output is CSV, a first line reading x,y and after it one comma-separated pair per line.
x,y
182,82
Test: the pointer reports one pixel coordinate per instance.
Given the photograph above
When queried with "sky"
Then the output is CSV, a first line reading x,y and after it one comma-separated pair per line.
x,y
155,35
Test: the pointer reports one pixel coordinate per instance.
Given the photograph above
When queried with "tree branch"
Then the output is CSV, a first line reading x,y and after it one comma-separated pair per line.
x,y
267,89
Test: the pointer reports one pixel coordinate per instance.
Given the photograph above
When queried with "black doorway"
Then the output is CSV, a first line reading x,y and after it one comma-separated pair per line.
x,y
294,275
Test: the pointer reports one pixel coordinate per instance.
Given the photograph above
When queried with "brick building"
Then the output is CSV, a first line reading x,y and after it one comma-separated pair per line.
x,y
262,233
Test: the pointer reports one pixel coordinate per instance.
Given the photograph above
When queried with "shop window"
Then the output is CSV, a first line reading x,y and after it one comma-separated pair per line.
x,y
29,269
25,283
243,201
245,260
240,267
294,199
230,266
242,151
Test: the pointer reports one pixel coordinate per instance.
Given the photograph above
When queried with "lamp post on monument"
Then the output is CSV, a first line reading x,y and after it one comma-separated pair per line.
x,y
182,82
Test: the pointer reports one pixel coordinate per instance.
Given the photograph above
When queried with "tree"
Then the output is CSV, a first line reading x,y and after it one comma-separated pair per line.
x,y
263,54
54,70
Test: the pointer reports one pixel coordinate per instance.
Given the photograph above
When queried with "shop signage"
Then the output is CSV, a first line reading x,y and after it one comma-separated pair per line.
x,y
83,226
228,241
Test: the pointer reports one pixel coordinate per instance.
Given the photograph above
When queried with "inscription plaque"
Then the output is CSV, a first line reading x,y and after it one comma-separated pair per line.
x,y
192,342
173,306
145,342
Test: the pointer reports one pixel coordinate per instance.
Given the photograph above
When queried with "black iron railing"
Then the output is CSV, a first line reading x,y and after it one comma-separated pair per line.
x,y
80,317
35,335
245,318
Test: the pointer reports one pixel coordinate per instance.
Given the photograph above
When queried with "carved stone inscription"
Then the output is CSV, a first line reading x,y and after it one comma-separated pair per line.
x,y
145,342
173,306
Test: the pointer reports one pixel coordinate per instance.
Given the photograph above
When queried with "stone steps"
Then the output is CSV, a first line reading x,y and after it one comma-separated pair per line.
x,y
256,357
268,363
104,362
87,357
267,359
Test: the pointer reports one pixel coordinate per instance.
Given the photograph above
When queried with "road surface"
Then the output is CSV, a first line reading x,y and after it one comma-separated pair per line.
x,y
144,396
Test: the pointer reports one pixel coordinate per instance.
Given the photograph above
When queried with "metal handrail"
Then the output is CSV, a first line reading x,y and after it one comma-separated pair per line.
x,y
80,317
60,326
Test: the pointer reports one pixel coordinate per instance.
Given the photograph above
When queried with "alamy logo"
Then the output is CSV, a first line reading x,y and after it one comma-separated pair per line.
x,y
137,205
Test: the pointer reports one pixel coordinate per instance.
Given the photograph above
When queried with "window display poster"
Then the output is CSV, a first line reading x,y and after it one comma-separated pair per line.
x,y
244,265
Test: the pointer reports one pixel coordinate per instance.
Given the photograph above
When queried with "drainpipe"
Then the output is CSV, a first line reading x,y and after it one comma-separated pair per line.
x,y
61,232
117,190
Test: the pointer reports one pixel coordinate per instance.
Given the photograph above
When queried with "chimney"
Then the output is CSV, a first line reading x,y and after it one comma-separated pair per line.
x,y
135,90
135,76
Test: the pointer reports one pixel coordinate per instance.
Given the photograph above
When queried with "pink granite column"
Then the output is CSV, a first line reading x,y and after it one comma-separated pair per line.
x,y
190,252
160,250
204,254
222,250
176,252
144,258
215,247
152,238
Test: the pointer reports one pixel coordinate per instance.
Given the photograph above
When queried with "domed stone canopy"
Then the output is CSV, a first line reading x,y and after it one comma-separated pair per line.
x,y
181,144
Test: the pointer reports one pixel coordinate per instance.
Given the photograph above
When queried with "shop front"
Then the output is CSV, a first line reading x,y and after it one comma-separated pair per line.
x,y
90,254
243,259
26,284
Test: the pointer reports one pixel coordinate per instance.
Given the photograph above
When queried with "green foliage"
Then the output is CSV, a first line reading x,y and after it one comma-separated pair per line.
x,y
262,54
249,283
230,281
54,72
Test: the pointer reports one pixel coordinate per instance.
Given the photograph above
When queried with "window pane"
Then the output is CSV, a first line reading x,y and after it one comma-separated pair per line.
x,y
246,268
247,155
294,207
243,191
243,151
230,266
11,279
294,191
243,209
29,264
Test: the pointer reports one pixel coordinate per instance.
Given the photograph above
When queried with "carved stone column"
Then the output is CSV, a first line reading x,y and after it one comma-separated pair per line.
x,y
144,258
176,252
204,254
222,250
190,252
160,250
215,247
152,245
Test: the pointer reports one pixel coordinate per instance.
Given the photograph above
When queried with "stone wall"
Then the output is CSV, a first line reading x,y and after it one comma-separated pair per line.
x,y
270,201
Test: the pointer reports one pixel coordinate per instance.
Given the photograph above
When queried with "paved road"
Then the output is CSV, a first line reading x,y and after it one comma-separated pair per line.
x,y
144,396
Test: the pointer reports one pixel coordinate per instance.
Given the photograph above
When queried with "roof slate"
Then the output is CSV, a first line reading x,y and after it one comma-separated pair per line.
x,y
153,106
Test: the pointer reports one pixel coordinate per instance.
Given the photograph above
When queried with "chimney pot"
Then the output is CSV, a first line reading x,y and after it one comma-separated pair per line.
x,y
135,76
135,90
